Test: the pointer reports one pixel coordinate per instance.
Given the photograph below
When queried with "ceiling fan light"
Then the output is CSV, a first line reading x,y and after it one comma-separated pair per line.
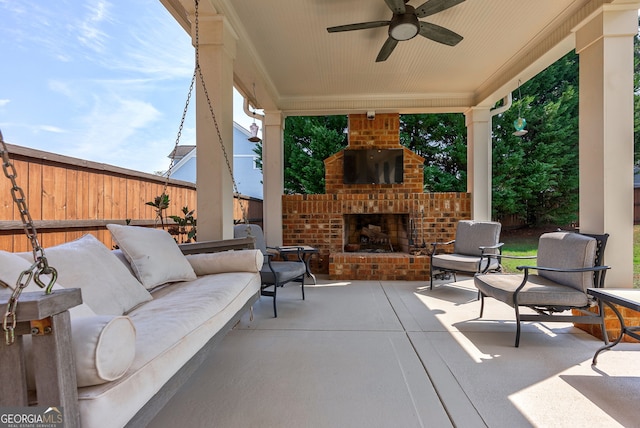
x,y
405,26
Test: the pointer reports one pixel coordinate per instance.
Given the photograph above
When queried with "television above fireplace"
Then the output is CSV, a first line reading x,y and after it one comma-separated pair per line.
x,y
373,166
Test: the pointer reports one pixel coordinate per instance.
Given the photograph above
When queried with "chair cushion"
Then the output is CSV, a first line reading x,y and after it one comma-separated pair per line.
x,y
538,291
470,235
153,254
284,272
461,263
566,250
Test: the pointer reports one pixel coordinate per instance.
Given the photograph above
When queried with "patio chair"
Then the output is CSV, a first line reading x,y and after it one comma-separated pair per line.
x,y
274,273
567,264
474,241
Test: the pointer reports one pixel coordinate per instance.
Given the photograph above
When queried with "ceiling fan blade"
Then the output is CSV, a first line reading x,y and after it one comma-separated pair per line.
x,y
431,7
396,6
359,26
439,34
386,49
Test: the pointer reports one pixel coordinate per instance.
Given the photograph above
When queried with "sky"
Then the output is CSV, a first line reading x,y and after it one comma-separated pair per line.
x,y
100,80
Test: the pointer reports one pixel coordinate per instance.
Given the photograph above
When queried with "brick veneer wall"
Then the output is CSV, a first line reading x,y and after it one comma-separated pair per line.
x,y
317,220
612,324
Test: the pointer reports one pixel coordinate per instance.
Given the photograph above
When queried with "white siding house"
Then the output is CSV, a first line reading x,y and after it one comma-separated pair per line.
x,y
246,173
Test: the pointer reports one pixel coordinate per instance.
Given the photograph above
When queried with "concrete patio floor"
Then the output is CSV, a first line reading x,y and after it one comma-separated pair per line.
x,y
396,354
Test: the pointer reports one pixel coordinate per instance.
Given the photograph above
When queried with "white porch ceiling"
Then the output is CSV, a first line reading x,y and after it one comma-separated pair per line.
x,y
299,68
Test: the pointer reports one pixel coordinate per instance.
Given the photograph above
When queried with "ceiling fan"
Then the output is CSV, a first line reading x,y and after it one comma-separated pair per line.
x,y
404,24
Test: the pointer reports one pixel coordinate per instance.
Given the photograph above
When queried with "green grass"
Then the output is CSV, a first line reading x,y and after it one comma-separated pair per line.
x,y
519,248
527,246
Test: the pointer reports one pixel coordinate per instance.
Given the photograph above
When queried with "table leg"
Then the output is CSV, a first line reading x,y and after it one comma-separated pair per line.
x,y
623,329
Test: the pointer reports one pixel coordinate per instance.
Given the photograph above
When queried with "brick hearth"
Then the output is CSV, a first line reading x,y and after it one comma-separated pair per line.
x,y
319,220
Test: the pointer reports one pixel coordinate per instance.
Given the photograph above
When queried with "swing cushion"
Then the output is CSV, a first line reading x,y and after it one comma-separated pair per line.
x,y
107,286
103,345
153,255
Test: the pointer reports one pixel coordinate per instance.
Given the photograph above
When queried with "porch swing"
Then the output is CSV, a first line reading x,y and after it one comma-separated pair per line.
x,y
40,268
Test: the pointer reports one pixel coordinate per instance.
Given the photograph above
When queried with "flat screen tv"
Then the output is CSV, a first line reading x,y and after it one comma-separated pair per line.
x,y
373,166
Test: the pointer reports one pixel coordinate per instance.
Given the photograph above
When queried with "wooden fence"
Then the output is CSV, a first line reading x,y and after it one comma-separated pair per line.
x,y
69,197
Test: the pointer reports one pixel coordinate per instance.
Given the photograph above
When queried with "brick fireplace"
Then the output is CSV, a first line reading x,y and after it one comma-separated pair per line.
x,y
373,231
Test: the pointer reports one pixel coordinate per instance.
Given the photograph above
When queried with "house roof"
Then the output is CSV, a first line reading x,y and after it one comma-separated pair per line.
x,y
284,49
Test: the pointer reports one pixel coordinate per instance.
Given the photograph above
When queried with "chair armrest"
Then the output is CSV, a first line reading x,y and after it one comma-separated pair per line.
x,y
549,269
588,269
492,247
435,245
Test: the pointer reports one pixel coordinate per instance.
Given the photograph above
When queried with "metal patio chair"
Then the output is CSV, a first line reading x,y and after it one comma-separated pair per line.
x,y
475,240
274,273
567,264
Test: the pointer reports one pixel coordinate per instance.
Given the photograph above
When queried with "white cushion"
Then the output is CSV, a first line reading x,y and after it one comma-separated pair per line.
x,y
12,265
104,348
107,286
226,261
153,255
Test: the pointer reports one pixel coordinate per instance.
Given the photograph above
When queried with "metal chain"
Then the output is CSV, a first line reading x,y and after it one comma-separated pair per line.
x,y
39,267
213,116
175,146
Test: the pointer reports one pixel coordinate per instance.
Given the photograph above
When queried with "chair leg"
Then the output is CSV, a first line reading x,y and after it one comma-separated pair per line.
x,y
481,297
302,286
273,293
431,277
518,326
275,311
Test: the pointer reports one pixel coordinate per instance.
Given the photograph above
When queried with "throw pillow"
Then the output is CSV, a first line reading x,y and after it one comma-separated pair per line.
x,y
12,266
104,348
153,254
107,286
226,261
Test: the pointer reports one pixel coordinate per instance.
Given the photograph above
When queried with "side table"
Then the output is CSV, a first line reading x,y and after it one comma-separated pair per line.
x,y
307,253
625,297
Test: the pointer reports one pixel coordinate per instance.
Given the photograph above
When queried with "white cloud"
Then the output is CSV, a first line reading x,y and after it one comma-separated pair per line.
x,y
4,102
54,129
91,35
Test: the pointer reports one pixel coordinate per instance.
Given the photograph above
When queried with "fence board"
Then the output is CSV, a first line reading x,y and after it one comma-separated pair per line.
x,y
68,198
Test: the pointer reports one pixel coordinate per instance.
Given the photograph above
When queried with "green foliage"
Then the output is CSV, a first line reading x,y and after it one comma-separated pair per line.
x,y
308,141
160,203
536,177
185,226
441,140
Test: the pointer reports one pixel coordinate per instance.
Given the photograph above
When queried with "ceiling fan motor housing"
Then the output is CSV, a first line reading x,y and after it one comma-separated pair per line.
x,y
404,26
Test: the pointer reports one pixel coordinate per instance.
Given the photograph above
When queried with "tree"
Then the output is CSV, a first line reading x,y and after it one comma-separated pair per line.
x,y
536,176
441,140
308,141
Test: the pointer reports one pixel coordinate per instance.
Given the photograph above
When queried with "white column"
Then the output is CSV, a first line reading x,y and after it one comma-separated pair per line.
x,y
217,47
273,175
605,46
479,170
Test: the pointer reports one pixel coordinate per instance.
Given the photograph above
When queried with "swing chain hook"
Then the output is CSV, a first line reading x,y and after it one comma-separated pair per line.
x,y
39,267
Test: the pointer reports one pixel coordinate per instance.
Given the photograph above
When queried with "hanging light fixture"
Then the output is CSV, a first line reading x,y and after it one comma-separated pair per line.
x,y
254,127
520,123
